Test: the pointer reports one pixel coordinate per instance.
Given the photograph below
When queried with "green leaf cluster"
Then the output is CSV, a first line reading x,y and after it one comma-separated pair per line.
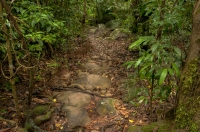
x,y
39,25
159,64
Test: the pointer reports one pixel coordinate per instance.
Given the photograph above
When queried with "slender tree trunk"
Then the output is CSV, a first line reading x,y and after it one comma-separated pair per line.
x,y
188,106
10,61
12,19
84,12
24,45
162,13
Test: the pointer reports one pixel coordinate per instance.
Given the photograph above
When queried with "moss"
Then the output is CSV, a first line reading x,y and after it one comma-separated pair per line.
x,y
43,118
188,102
39,110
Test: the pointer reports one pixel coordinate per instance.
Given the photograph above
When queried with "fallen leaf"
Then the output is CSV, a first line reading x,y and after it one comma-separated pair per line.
x,y
131,121
124,113
38,100
58,125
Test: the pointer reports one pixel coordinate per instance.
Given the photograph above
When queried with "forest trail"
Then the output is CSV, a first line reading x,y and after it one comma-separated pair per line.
x,y
98,75
85,89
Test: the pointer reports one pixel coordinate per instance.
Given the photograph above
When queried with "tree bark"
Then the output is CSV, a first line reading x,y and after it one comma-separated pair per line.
x,y
188,106
10,61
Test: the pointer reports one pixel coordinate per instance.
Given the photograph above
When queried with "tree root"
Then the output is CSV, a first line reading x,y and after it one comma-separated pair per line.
x,y
80,89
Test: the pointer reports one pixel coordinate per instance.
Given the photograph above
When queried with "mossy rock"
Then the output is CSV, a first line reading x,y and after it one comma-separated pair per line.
x,y
117,33
20,129
161,126
40,110
42,118
106,106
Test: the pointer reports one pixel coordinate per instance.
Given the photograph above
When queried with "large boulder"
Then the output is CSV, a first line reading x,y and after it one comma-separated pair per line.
x,y
106,106
79,99
76,116
117,33
92,68
91,82
76,99
101,26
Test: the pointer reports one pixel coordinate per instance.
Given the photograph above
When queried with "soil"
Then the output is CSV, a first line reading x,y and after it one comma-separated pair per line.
x,y
96,46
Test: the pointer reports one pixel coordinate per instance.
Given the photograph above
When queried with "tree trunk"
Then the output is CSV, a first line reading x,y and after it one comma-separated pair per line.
x,y
84,12
10,61
188,106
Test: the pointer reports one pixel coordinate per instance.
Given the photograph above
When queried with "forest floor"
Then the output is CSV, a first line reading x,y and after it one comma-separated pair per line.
x,y
96,46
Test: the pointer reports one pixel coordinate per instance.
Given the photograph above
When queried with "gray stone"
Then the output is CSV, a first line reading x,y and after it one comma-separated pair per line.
x,y
63,97
93,68
82,74
95,131
102,26
93,30
117,33
79,99
92,81
106,106
76,116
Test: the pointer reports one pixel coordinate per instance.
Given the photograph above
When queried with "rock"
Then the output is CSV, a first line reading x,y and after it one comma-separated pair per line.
x,y
20,129
93,30
106,106
76,99
79,99
93,68
42,118
63,96
41,114
81,74
95,57
95,131
40,110
92,81
102,26
117,33
104,91
76,116
66,76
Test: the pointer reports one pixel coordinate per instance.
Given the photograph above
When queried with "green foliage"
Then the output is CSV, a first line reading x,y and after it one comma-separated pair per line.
x,y
159,64
39,25
159,60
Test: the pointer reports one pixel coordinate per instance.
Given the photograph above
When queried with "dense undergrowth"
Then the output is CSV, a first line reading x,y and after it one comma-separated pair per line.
x,y
32,30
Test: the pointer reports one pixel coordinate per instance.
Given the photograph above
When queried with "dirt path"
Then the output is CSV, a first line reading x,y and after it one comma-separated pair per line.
x,y
74,87
109,54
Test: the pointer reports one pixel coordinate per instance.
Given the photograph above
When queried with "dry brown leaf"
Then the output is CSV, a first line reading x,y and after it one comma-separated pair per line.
x,y
38,100
58,125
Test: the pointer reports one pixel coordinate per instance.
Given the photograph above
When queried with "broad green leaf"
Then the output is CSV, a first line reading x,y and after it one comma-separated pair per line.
x,y
174,66
148,57
154,48
138,62
137,43
171,72
146,101
141,99
143,75
145,67
163,76
177,50
129,64
33,23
